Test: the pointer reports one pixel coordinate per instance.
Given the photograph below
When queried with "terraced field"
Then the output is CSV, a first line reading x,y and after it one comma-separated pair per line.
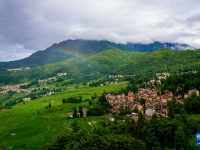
x,y
23,128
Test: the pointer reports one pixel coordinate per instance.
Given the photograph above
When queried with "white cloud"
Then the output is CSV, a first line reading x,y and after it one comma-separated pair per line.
x,y
37,24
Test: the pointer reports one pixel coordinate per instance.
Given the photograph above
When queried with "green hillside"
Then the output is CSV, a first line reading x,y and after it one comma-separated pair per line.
x,y
110,61
102,63
106,62
156,61
84,48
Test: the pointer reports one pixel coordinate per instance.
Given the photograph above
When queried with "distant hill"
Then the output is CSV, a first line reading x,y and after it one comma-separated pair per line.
x,y
111,61
157,61
84,48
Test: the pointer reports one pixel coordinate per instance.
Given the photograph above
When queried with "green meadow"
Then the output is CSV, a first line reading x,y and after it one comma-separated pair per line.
x,y
23,128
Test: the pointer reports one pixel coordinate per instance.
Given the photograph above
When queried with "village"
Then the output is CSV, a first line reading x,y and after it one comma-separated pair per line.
x,y
154,102
17,69
52,78
17,88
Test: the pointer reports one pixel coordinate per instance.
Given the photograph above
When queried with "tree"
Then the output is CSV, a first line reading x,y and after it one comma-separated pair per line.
x,y
194,106
129,110
139,127
75,112
158,93
80,111
171,111
144,108
180,139
187,104
142,101
90,102
193,95
75,126
121,109
49,104
80,99
136,110
95,110
152,140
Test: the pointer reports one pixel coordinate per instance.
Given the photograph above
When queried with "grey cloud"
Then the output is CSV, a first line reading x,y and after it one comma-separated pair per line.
x,y
35,25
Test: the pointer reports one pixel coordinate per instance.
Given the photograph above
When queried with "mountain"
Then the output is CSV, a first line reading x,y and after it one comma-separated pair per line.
x,y
83,48
110,61
164,60
158,46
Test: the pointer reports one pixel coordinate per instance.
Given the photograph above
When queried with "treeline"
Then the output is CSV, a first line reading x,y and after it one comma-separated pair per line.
x,y
157,133
73,100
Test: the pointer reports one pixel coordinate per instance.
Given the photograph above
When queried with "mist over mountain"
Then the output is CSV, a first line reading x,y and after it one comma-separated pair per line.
x,y
83,48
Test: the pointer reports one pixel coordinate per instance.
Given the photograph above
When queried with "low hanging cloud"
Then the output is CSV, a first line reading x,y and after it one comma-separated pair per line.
x,y
28,26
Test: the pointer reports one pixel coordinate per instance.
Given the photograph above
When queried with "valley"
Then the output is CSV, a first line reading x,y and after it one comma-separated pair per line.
x,y
109,86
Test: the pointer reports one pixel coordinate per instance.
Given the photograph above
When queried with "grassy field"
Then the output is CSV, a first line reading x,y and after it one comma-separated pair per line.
x,y
32,130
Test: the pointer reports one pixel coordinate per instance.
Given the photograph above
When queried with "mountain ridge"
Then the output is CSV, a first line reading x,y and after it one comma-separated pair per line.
x,y
82,48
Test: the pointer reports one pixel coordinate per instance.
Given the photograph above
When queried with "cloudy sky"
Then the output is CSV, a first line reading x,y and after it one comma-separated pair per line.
x,y
28,26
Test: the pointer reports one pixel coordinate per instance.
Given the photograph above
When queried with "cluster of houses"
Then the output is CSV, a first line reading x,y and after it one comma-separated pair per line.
x,y
61,74
160,76
112,76
26,99
15,88
120,76
52,78
186,72
44,80
154,101
16,69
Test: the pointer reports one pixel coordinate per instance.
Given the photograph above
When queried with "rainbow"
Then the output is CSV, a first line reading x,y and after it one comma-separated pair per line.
x,y
66,53
74,55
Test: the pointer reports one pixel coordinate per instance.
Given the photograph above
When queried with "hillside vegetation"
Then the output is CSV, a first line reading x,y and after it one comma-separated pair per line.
x,y
103,63
156,61
110,61
84,48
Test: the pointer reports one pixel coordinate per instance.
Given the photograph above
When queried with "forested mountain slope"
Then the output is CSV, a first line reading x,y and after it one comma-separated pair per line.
x,y
111,61
164,60
84,48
